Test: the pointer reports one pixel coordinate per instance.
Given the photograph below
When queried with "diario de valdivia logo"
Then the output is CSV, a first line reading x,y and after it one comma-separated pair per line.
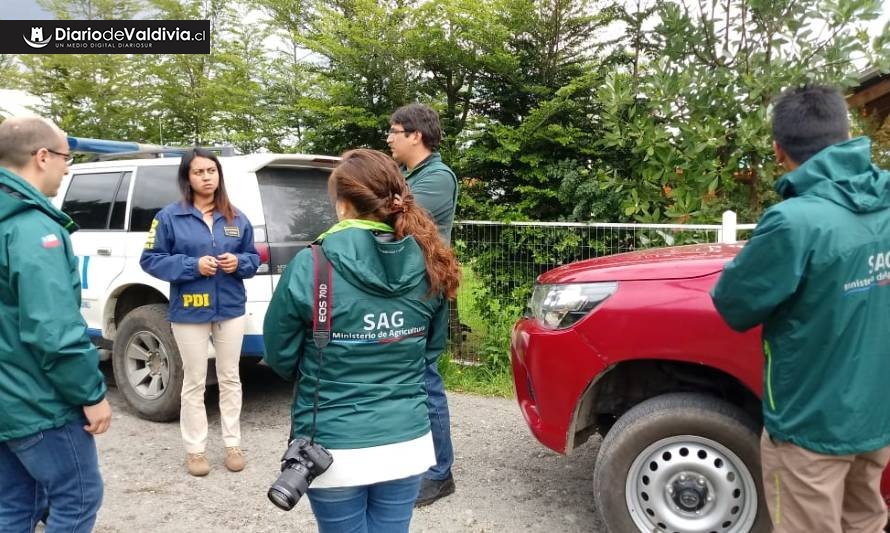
x,y
37,40
105,36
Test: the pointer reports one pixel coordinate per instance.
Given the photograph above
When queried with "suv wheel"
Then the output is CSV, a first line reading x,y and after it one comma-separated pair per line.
x,y
147,367
681,463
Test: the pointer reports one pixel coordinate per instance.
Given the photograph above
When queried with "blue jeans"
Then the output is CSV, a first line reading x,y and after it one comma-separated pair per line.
x,y
58,467
440,424
379,508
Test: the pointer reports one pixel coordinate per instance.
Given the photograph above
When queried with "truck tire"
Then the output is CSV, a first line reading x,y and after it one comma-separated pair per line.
x,y
147,367
681,463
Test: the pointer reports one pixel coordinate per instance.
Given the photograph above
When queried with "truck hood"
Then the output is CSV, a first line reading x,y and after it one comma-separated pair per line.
x,y
678,262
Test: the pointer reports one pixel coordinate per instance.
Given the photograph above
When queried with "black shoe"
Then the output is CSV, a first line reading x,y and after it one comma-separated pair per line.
x,y
433,489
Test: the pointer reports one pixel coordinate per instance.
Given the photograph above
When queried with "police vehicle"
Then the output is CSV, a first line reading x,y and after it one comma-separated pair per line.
x,y
114,200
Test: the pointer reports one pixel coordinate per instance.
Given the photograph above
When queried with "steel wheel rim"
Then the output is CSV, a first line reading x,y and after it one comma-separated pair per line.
x,y
147,365
690,484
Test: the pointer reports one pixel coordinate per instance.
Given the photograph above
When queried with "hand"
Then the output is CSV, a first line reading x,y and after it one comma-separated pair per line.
x,y
98,416
207,265
228,262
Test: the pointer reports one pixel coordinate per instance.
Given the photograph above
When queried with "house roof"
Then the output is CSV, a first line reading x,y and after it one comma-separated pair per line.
x,y
872,95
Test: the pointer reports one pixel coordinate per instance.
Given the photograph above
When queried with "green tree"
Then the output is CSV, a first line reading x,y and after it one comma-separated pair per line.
x,y
243,108
9,72
691,123
454,43
360,65
880,137
537,118
90,95
92,9
171,99
288,79
209,98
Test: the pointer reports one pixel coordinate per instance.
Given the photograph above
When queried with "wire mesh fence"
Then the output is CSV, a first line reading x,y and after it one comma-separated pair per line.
x,y
501,261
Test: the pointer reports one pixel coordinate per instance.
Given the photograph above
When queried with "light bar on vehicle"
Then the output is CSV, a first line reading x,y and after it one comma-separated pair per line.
x,y
105,146
105,149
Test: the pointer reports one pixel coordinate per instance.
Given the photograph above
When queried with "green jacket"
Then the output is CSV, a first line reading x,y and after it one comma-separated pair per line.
x,y
434,187
385,329
49,369
816,274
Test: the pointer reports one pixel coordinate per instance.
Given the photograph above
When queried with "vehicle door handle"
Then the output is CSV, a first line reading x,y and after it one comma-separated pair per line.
x,y
103,251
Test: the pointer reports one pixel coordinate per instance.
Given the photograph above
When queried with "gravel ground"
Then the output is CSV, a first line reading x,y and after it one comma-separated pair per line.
x,y
506,480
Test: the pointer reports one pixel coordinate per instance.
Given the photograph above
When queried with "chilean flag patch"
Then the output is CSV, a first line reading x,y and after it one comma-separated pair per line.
x,y
50,241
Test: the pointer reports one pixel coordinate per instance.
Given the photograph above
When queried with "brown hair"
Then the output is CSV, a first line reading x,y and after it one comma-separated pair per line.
x,y
220,196
372,183
21,137
422,118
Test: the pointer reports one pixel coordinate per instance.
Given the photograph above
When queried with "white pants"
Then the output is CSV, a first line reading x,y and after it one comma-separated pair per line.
x,y
193,340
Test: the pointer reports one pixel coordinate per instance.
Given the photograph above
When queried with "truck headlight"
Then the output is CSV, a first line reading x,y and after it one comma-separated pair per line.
x,y
560,306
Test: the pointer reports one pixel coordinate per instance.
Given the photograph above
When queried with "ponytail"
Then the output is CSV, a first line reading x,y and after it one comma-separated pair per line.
x,y
442,267
372,183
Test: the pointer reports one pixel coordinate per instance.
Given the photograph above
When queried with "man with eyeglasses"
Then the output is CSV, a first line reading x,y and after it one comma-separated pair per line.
x,y
413,138
53,394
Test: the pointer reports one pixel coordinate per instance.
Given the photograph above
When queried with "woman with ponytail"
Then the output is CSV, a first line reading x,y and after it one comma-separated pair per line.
x,y
363,398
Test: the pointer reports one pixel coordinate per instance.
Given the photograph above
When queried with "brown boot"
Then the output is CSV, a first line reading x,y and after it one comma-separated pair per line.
x,y
235,459
197,464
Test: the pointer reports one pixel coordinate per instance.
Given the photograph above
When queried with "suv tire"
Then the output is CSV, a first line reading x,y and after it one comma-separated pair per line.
x,y
681,462
146,362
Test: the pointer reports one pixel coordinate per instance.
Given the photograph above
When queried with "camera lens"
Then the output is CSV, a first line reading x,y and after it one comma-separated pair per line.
x,y
301,463
281,498
290,486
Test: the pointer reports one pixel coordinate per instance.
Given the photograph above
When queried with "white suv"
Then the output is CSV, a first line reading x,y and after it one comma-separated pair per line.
x,y
114,202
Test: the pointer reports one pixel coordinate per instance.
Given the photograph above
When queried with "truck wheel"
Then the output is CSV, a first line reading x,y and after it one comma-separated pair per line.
x,y
681,463
147,367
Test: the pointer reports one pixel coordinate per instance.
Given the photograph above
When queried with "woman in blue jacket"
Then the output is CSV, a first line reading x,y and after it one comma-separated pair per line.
x,y
204,247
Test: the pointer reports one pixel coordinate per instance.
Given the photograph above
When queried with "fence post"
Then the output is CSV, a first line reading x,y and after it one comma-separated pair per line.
x,y
727,235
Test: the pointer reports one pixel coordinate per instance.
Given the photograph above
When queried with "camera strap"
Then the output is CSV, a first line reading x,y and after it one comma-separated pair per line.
x,y
321,318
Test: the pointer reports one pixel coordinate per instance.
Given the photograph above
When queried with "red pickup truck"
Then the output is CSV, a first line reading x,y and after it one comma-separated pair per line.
x,y
631,347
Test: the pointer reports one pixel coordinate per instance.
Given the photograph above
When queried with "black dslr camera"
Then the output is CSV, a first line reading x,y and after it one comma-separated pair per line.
x,y
301,463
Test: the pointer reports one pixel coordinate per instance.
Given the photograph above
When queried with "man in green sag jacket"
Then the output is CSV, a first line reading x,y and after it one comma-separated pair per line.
x,y
816,274
413,137
52,394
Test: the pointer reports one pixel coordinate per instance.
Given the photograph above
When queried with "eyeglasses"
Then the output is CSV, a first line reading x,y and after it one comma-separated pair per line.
x,y
68,157
393,131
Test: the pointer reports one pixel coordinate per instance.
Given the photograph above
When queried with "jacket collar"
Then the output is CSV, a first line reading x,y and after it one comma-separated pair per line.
x,y
370,225
189,209
20,195
843,174
432,158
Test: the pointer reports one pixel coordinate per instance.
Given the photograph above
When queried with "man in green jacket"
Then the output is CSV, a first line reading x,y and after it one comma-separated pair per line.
x,y
413,137
816,275
52,394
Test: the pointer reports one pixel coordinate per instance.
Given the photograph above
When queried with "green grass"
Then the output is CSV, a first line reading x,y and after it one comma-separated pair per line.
x,y
469,315
483,378
477,379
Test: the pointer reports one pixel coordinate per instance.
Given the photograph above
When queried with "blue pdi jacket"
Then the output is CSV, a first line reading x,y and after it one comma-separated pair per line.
x,y
177,239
